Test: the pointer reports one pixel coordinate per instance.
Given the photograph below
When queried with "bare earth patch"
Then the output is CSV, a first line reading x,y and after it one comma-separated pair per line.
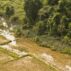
x,y
40,59
26,64
4,58
62,61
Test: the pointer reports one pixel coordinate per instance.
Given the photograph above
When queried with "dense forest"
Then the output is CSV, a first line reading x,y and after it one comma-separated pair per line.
x,y
47,22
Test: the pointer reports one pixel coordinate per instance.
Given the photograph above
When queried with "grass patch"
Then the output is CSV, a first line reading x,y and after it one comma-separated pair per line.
x,y
54,43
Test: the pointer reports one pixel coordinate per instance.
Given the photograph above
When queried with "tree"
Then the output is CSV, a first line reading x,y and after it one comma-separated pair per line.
x,y
31,8
53,2
9,11
40,28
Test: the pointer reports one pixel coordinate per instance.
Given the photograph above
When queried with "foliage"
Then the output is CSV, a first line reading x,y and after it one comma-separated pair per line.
x,y
31,8
9,11
11,8
40,17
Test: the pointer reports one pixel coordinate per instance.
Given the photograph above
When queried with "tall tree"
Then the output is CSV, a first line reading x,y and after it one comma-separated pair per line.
x,y
9,11
31,8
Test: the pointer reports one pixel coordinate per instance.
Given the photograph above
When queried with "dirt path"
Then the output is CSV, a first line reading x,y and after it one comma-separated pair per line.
x,y
55,60
62,61
23,63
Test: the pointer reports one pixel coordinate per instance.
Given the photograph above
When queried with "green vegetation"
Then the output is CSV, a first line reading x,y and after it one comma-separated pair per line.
x,y
48,22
